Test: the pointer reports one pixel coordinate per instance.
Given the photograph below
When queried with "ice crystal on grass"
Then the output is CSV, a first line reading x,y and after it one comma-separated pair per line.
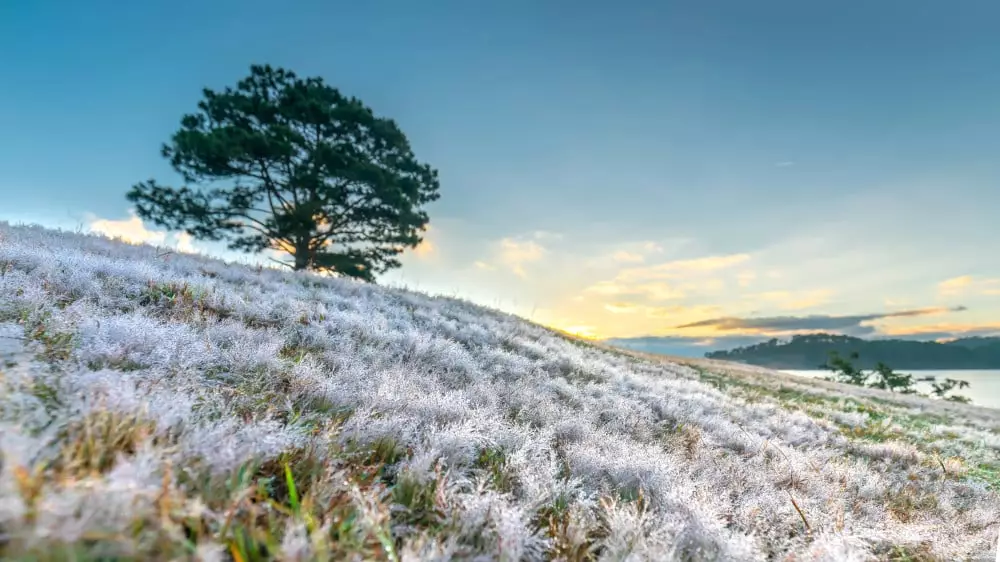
x,y
162,407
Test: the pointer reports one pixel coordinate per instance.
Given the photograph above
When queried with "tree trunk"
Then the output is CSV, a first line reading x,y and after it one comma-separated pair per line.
x,y
302,256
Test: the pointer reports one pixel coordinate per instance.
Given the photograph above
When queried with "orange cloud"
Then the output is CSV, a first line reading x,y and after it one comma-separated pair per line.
x,y
621,308
134,231
955,285
969,284
583,331
131,230
951,328
426,248
184,243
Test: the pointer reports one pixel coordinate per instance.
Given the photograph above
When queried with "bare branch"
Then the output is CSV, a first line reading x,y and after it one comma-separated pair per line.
x,y
281,262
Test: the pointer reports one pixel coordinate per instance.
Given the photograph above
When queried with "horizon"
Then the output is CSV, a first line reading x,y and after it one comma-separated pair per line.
x,y
706,177
688,348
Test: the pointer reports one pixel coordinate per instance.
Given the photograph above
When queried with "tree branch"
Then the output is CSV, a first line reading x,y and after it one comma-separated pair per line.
x,y
280,262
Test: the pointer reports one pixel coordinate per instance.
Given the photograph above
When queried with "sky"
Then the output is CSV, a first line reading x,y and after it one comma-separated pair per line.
x,y
696,174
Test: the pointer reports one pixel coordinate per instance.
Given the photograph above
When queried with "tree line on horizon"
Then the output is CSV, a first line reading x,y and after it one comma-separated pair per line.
x,y
812,351
293,165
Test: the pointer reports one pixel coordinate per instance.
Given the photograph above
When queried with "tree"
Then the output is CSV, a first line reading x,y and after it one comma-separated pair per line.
x,y
886,379
293,165
844,370
943,388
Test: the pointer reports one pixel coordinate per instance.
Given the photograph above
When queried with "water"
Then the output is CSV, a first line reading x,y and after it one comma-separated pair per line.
x,y
984,385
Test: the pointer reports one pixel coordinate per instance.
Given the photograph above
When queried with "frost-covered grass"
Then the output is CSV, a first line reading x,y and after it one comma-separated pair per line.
x,y
175,407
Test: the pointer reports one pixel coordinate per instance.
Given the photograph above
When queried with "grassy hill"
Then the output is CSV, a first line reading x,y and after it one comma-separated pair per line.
x,y
175,407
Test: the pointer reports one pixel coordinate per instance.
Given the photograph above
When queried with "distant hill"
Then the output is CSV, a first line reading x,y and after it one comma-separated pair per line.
x,y
812,350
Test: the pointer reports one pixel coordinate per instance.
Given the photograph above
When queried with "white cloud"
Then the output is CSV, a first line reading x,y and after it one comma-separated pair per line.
x,y
513,254
653,291
630,253
791,300
745,278
546,235
652,247
682,268
484,266
623,256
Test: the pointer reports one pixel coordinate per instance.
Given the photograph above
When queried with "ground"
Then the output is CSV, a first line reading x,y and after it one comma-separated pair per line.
x,y
159,406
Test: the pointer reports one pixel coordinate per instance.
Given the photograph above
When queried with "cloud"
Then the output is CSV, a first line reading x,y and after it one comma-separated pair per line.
x,y
582,331
745,278
515,254
955,285
131,230
849,323
654,291
943,331
426,248
697,346
622,256
679,268
789,300
134,231
546,235
621,308
666,281
633,252
183,243
784,164
680,310
969,284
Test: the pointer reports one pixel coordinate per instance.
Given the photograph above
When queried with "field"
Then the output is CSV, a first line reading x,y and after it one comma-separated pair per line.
x,y
162,406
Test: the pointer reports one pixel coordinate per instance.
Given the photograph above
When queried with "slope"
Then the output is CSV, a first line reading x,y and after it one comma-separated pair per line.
x,y
159,407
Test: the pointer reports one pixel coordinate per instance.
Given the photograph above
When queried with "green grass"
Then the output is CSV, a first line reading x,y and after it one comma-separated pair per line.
x,y
494,462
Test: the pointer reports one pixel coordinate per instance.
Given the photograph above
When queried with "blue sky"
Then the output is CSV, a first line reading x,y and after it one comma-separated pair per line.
x,y
617,170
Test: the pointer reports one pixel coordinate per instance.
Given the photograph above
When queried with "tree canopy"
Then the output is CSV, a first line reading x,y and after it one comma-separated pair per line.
x,y
292,165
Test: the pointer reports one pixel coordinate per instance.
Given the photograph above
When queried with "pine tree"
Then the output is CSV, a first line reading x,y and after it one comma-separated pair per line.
x,y
292,165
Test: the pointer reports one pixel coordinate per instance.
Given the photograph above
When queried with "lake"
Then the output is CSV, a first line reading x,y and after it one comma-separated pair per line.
x,y
984,385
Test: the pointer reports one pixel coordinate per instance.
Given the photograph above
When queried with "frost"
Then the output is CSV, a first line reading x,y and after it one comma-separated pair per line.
x,y
522,442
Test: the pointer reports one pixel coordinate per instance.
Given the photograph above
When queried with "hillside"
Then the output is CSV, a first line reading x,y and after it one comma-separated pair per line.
x,y
812,350
165,407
